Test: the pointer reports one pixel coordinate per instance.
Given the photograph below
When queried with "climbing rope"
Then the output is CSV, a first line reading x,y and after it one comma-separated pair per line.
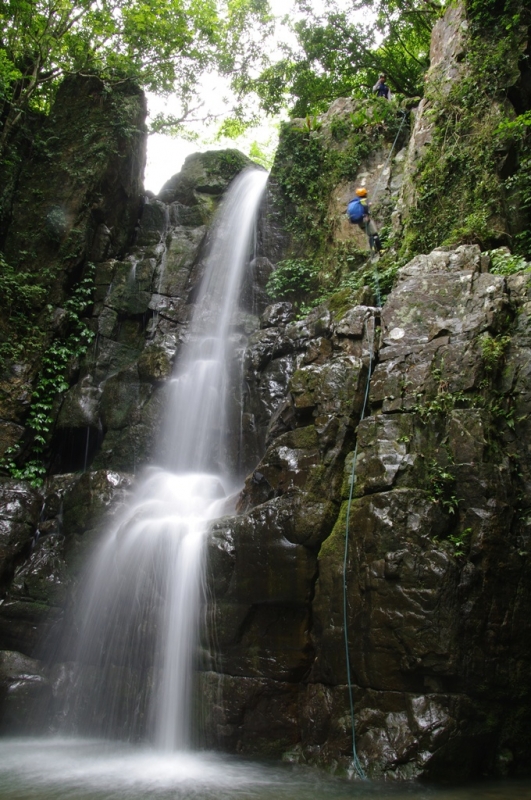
x,y
355,759
376,276
391,151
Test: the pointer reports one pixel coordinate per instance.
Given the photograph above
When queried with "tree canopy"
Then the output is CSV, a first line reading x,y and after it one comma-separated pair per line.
x,y
340,53
165,45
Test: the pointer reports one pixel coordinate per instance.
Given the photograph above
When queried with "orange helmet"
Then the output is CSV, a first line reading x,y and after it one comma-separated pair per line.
x,y
361,192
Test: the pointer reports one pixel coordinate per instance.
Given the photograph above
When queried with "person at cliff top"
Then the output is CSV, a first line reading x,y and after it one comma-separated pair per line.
x,y
358,211
381,88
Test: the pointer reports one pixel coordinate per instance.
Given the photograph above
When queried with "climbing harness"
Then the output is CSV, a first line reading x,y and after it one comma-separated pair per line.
x,y
352,480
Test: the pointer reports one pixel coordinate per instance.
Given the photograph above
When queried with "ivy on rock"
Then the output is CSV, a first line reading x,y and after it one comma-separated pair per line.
x,y
29,463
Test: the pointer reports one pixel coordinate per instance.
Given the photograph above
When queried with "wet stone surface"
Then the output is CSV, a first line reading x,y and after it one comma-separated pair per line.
x,y
437,556
438,533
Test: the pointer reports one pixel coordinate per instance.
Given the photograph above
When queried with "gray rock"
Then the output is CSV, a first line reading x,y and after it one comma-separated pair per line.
x,y
276,314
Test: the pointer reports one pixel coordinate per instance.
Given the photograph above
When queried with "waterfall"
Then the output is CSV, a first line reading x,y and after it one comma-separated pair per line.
x,y
194,434
138,615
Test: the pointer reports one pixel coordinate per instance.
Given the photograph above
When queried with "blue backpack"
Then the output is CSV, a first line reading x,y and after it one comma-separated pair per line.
x,y
356,210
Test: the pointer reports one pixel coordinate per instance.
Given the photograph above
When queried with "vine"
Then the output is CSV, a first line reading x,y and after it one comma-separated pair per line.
x,y
21,300
51,382
442,487
293,279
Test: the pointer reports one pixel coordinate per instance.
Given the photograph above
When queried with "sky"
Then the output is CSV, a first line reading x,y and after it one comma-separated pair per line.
x,y
166,154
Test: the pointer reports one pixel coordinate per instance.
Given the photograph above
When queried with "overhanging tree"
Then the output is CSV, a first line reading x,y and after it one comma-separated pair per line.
x,y
164,45
340,53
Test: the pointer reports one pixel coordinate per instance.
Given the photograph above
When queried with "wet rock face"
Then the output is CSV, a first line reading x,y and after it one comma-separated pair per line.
x,y
305,391
46,538
437,554
74,201
107,422
111,416
25,692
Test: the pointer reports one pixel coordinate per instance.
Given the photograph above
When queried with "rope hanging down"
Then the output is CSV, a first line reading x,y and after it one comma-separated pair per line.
x,y
355,759
376,276
391,151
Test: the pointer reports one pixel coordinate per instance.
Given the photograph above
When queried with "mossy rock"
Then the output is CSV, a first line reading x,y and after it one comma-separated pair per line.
x,y
204,173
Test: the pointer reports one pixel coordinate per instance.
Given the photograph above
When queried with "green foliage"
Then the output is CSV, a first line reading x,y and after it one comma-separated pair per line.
x,y
20,300
293,279
226,163
165,45
299,171
503,262
51,382
484,14
461,542
442,403
340,128
457,188
518,185
499,406
462,194
342,294
379,277
337,55
442,487
493,350
261,156
375,114
231,128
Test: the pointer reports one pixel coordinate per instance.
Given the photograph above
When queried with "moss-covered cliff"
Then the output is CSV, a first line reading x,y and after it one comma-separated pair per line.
x,y
462,176
436,604
71,197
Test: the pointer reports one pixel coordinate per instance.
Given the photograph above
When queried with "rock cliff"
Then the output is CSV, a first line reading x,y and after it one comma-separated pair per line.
x,y
436,563
385,444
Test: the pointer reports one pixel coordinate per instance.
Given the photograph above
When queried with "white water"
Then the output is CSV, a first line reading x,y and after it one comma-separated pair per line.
x,y
140,608
195,430
70,769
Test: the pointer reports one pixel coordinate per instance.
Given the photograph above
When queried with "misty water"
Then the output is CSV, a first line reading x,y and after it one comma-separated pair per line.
x,y
136,621
64,769
147,576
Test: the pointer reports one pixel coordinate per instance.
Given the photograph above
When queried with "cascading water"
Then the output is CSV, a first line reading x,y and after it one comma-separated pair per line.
x,y
140,610
138,615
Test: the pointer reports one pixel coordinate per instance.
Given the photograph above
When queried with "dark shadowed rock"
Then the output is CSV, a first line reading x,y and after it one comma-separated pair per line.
x,y
25,694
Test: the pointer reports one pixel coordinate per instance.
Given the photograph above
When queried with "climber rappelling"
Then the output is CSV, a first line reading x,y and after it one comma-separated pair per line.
x,y
358,211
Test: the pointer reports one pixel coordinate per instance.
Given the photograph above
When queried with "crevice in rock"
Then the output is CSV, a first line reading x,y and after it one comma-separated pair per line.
x,y
520,93
74,449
